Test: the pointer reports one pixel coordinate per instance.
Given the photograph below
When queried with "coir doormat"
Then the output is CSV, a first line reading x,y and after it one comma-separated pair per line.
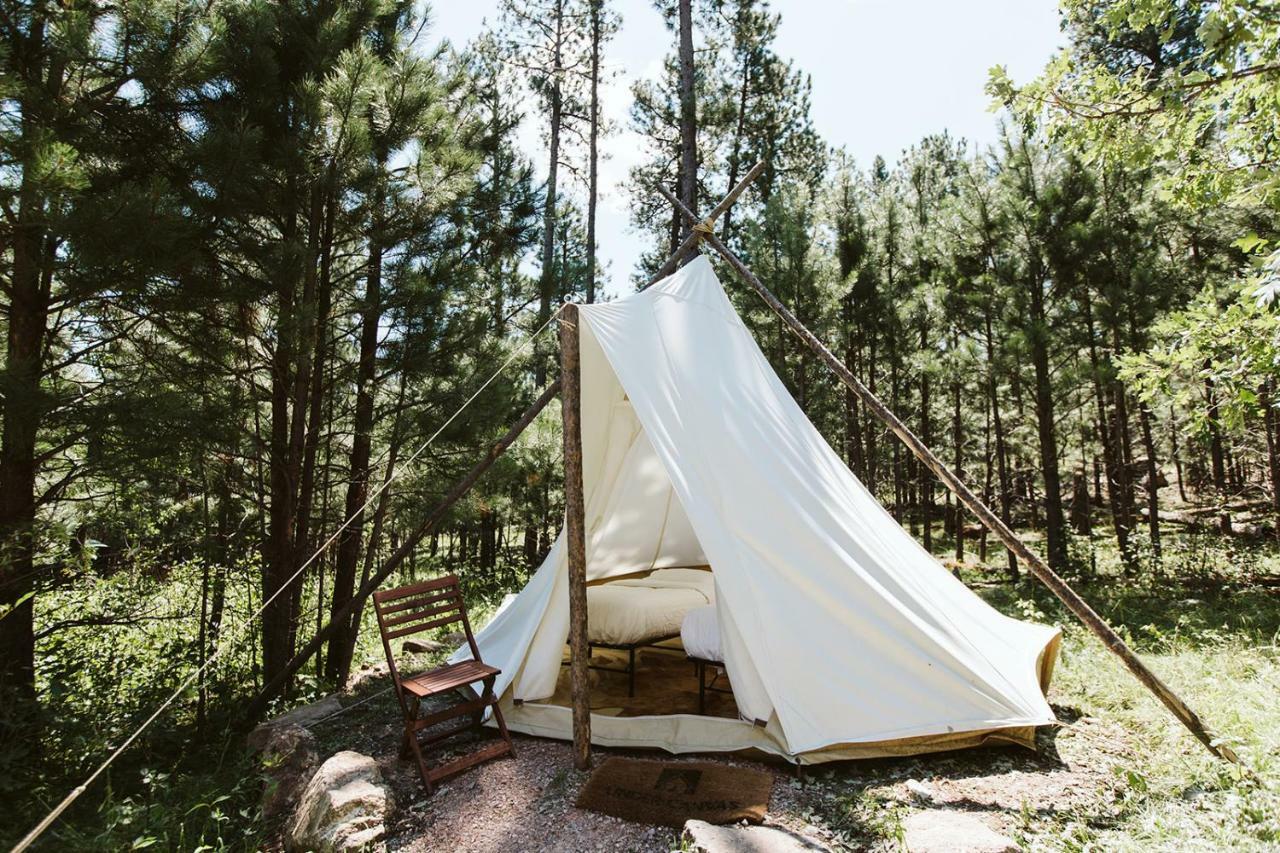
x,y
670,793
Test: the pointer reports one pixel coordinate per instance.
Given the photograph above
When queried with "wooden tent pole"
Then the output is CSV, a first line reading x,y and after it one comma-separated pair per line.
x,y
973,503
269,692
575,534
695,236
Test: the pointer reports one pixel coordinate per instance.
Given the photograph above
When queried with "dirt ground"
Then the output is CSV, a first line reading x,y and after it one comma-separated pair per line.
x,y
527,802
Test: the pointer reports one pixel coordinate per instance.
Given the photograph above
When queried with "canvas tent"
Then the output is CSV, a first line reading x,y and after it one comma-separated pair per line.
x,y
842,637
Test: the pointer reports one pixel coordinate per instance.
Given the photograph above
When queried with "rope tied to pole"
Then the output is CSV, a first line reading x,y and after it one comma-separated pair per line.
x,y
705,228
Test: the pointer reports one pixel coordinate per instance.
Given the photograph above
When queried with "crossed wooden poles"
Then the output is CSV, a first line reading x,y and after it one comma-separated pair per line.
x,y
568,387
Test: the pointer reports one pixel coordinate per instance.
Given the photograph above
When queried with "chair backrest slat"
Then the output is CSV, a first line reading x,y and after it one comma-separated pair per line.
x,y
451,606
406,602
425,626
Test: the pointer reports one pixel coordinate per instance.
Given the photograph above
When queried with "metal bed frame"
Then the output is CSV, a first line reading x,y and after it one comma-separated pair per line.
x,y
700,667
630,649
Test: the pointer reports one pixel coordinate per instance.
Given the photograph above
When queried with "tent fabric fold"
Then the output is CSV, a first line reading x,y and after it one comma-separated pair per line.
x,y
839,631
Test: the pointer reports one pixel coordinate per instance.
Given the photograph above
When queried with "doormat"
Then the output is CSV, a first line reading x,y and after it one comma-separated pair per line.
x,y
670,793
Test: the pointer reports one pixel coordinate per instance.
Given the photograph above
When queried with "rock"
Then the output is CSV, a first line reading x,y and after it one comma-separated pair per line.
x,y
709,838
308,714
938,831
421,647
921,790
345,807
289,757
305,716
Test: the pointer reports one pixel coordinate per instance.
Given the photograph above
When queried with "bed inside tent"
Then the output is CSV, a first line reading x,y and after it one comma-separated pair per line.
x,y
714,506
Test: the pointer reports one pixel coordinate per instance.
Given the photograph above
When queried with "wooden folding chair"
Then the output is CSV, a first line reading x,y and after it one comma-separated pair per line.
x,y
422,607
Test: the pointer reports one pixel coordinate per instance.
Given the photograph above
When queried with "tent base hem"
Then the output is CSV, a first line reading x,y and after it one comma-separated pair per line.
x,y
689,733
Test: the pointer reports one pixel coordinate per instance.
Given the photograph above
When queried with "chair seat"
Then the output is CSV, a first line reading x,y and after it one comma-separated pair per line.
x,y
448,678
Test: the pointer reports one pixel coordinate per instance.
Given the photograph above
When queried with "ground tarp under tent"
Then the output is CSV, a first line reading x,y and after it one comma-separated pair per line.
x,y
840,635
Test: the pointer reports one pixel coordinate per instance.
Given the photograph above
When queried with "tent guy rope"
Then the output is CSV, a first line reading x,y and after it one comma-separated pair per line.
x,y
1059,587
66,802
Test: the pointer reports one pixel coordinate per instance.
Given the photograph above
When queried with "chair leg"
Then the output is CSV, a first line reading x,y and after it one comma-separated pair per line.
x,y
502,728
477,717
412,738
631,673
410,735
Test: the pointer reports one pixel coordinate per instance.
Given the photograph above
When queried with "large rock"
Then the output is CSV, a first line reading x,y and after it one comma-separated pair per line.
x,y
708,838
345,807
939,831
289,757
305,716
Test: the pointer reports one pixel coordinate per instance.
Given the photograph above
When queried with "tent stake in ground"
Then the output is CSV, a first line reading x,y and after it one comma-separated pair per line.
x,y
972,502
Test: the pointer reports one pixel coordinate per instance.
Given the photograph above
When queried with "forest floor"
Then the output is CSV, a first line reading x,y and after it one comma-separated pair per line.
x,y
1117,773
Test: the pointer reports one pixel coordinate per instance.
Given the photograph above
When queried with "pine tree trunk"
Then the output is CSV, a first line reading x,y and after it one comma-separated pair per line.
x,y
348,553
546,278
593,154
1111,457
924,478
688,118
284,471
322,213
1216,454
1177,458
740,120
852,426
1002,452
1153,483
1271,425
957,439
1046,427
28,317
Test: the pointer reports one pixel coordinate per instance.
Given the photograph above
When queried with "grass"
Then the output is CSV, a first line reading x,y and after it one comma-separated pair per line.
x,y
1209,625
1207,620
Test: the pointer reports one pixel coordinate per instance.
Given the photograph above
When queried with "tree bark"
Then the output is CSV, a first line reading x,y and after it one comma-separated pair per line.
x,y
688,118
1153,483
546,278
32,251
593,153
1046,427
924,481
575,537
1271,424
852,426
338,655
23,412
1216,455
1002,451
957,440
282,505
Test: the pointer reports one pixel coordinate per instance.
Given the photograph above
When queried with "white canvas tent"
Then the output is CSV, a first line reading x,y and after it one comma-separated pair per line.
x,y
842,637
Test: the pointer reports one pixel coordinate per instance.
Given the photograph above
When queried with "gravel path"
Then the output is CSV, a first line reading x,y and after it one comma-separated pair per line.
x,y
526,803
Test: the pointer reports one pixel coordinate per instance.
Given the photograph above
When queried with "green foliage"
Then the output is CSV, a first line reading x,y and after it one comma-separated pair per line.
x,y
1230,342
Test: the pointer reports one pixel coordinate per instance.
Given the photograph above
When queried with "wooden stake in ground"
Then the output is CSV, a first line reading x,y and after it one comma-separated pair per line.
x,y
575,534
972,502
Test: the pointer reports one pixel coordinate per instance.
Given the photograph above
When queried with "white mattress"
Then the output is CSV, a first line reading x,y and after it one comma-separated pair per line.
x,y
637,610
700,634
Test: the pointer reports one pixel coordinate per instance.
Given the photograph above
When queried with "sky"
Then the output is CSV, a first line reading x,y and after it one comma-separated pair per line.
x,y
885,73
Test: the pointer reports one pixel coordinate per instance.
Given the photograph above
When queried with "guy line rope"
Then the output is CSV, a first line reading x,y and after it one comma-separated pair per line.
x,y
76,792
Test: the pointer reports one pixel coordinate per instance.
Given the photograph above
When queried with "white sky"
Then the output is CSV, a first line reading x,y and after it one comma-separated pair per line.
x,y
885,73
